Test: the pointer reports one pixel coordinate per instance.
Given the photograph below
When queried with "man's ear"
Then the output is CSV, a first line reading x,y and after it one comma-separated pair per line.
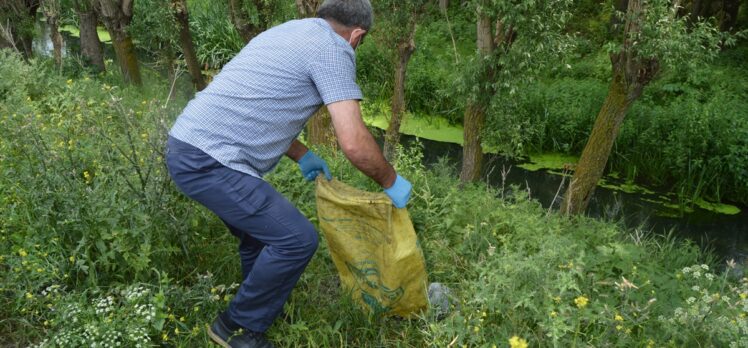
x,y
357,36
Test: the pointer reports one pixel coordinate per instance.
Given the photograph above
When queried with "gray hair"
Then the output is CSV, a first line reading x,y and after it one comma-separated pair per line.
x,y
351,13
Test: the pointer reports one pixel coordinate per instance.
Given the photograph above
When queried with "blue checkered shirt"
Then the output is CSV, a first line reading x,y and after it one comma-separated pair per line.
x,y
258,104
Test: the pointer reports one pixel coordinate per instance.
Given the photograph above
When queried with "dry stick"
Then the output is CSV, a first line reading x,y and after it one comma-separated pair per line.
x,y
454,43
563,181
173,83
504,174
8,36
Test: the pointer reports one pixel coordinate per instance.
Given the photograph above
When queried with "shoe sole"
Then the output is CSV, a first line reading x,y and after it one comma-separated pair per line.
x,y
217,339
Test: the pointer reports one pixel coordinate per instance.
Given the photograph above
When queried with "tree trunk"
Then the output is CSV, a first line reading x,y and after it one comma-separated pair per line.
x,y
307,8
56,37
392,136
27,36
320,130
631,73
116,15
443,5
90,44
475,112
188,47
729,15
594,158
241,21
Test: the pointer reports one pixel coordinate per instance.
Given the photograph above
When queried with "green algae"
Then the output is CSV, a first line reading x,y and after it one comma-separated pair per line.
x,y
429,127
720,208
74,32
628,187
555,161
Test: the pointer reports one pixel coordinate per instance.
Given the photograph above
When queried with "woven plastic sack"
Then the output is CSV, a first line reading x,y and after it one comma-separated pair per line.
x,y
374,247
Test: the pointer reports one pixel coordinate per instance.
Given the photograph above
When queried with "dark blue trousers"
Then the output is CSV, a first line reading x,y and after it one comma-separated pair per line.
x,y
276,241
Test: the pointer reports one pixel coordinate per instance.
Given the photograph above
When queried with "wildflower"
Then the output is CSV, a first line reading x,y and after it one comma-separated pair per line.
x,y
176,331
476,329
731,263
29,295
182,319
72,259
581,301
557,299
516,342
744,295
554,314
87,176
618,317
22,253
165,337
619,327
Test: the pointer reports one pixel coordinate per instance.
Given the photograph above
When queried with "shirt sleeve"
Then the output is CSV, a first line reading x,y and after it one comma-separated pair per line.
x,y
334,74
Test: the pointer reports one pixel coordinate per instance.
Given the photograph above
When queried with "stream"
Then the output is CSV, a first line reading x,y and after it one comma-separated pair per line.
x,y
725,235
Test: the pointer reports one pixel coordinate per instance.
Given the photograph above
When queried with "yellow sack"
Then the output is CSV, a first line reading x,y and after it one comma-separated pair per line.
x,y
374,247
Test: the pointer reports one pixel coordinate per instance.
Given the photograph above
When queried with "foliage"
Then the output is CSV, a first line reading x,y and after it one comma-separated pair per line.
x,y
90,252
686,134
156,28
216,38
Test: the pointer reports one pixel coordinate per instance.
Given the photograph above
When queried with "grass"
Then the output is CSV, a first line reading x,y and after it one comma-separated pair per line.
x,y
98,246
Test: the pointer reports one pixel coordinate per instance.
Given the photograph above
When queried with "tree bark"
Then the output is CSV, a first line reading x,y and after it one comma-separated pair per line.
x,y
307,8
116,15
56,37
475,112
405,50
242,22
188,47
90,44
631,73
443,5
320,130
729,15
595,155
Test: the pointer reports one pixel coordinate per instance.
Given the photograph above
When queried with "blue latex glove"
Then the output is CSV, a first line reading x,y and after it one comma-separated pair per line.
x,y
311,166
399,193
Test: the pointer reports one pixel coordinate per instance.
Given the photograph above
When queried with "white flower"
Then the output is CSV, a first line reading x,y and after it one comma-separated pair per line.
x,y
691,300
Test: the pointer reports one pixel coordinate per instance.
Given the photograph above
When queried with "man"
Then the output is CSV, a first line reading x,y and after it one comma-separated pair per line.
x,y
238,128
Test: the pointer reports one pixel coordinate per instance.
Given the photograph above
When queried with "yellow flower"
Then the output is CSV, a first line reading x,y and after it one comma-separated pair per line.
x,y
476,329
618,317
29,295
557,299
22,252
581,301
72,259
554,314
619,327
165,336
516,342
87,176
744,295
182,319
176,331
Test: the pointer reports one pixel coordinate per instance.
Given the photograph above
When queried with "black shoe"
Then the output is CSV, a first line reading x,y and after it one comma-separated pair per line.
x,y
220,333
